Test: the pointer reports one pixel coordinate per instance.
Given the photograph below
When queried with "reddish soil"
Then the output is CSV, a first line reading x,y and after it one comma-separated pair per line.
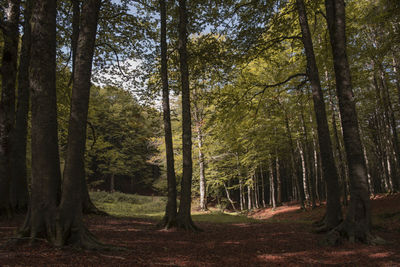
x,y
284,241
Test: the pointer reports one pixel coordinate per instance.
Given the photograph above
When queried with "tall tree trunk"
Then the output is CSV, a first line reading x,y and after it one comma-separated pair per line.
x,y
203,193
19,187
262,187
295,175
7,102
272,186
392,126
70,228
333,210
278,183
170,210
357,224
46,176
304,172
184,218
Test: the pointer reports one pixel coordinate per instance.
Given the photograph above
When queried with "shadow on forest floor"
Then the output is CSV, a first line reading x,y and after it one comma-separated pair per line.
x,y
282,239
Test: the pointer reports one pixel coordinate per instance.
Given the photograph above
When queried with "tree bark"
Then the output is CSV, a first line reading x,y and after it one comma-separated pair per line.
x,y
357,224
7,102
272,186
70,228
169,219
333,210
19,188
46,176
278,183
203,200
184,218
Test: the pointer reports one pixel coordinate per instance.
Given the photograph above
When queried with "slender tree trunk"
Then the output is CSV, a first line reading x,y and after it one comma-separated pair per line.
x,y
357,224
46,176
304,171
262,187
295,175
272,186
255,186
7,102
249,197
329,172
19,188
184,218
170,210
391,121
228,196
278,183
203,193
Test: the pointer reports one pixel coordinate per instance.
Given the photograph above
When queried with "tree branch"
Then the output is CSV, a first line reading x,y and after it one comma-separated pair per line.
x,y
279,83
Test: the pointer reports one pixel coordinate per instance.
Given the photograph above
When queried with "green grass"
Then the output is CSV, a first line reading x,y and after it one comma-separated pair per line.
x,y
127,205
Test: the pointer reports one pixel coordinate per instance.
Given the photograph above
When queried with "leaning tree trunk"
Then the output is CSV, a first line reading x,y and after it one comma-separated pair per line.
x,y
19,187
357,224
7,102
184,218
46,176
333,210
169,219
70,228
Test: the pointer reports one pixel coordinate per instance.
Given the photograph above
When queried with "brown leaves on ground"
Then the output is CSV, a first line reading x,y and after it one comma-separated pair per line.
x,y
284,239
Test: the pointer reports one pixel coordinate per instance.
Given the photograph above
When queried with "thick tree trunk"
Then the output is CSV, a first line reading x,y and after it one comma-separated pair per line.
x,y
19,188
184,218
70,228
357,224
45,185
333,212
7,102
169,219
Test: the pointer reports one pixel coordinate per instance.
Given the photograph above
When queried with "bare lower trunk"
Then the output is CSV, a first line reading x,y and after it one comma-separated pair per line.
x,y
262,186
249,197
7,102
329,172
19,188
170,209
184,218
357,224
40,221
69,224
272,186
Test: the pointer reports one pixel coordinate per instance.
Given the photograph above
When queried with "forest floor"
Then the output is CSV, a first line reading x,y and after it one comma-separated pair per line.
x,y
277,238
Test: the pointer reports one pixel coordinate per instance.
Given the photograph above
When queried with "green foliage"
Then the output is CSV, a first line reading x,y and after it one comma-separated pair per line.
x,y
120,133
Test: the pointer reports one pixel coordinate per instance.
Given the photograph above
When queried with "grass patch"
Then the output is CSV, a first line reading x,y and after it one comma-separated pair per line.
x,y
221,217
127,205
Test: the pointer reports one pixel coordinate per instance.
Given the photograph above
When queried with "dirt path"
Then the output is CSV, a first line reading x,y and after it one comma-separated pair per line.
x,y
255,244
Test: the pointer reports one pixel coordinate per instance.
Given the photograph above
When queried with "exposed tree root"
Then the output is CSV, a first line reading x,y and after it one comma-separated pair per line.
x,y
167,223
187,224
350,232
89,208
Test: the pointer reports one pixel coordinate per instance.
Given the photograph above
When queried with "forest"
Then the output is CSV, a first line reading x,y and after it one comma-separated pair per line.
x,y
199,133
